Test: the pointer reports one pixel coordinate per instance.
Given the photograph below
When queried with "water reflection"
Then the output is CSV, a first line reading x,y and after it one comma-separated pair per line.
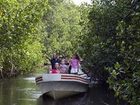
x,y
74,100
18,92
23,91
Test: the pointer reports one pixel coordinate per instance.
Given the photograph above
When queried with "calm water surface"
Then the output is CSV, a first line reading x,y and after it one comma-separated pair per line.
x,y
23,91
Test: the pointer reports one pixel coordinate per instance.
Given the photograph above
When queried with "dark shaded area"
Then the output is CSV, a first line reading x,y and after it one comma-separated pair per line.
x,y
98,95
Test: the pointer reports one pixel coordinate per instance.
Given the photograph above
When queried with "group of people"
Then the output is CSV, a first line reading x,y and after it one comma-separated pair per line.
x,y
64,66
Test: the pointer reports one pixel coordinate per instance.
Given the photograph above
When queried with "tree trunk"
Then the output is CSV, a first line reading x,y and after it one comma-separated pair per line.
x,y
1,72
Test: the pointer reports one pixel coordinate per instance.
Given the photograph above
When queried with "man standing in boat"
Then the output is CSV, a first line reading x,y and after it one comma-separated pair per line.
x,y
55,59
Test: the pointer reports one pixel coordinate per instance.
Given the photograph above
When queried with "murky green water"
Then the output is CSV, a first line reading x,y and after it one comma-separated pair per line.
x,y
23,91
19,91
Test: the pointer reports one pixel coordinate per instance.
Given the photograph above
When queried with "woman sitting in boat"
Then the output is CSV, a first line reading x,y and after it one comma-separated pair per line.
x,y
63,67
74,63
56,70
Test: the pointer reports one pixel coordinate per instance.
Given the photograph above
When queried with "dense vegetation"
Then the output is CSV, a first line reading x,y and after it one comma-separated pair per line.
x,y
62,27
21,33
106,34
111,46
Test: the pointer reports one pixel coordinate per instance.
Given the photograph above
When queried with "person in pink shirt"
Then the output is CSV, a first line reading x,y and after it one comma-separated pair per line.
x,y
74,63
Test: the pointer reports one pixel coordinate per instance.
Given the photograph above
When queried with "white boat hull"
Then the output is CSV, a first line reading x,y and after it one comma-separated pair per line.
x,y
61,85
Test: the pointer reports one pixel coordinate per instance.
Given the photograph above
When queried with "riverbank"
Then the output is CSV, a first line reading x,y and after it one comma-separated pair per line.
x,y
4,74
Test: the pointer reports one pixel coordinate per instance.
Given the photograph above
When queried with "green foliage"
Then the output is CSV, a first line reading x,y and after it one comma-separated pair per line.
x,y
21,33
99,40
128,42
111,46
62,27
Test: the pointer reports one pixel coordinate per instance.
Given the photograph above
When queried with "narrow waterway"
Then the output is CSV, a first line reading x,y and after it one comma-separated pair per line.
x,y
23,91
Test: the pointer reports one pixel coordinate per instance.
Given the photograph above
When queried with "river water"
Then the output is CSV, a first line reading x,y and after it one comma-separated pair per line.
x,y
23,91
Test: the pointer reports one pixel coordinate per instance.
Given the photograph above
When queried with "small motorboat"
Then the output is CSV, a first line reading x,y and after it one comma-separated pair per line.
x,y
62,85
